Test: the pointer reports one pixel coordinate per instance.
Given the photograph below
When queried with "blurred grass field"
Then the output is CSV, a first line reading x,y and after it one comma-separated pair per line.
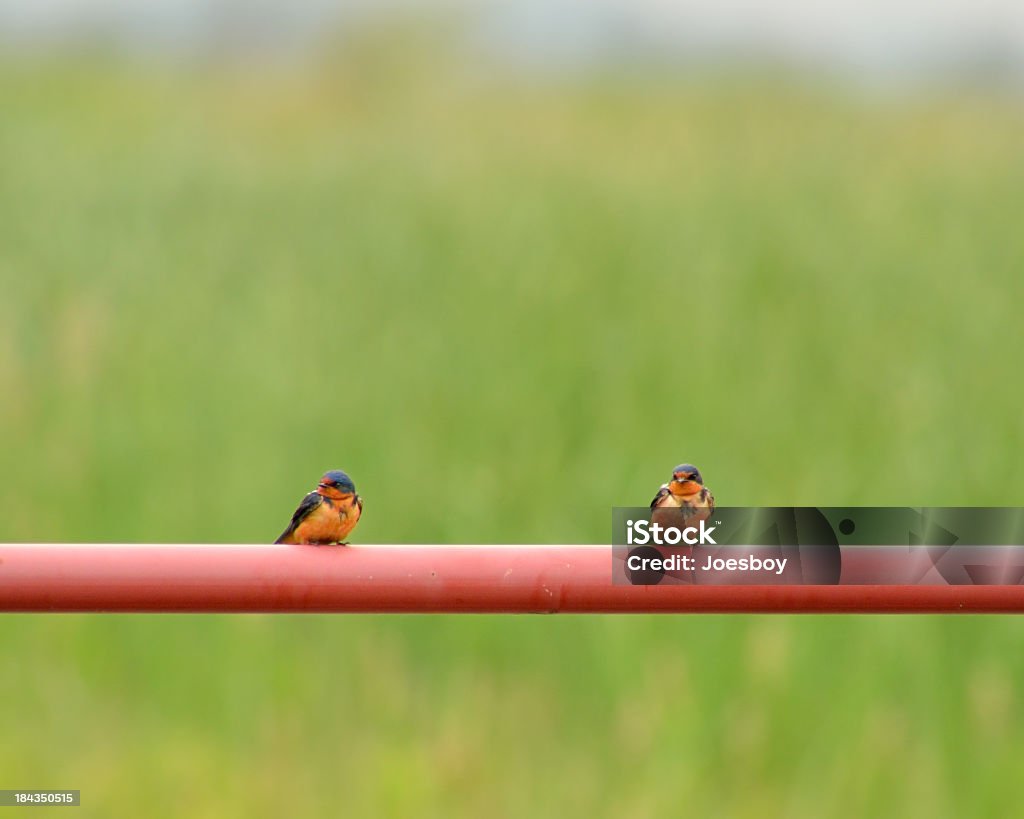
x,y
503,306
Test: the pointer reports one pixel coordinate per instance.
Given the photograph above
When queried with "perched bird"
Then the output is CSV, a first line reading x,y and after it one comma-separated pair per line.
x,y
327,514
685,495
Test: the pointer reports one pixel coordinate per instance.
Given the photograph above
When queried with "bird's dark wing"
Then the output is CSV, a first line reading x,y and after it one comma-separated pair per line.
x,y
309,503
657,498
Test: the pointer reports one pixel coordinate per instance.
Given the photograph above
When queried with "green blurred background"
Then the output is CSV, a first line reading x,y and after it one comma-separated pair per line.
x,y
504,303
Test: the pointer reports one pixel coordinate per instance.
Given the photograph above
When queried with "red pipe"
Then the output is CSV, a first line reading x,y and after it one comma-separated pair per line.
x,y
194,578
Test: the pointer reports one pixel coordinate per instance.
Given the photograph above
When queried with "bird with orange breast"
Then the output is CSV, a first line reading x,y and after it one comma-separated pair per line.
x,y
683,500
327,514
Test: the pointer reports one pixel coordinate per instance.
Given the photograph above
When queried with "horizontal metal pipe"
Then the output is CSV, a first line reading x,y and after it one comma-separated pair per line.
x,y
548,579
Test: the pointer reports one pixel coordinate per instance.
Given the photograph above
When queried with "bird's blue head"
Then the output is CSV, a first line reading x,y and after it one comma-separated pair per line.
x,y
687,472
336,482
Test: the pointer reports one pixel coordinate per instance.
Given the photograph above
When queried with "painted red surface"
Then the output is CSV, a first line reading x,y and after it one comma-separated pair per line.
x,y
237,578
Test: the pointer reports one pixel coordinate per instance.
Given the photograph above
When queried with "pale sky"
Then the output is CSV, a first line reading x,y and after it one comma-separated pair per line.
x,y
853,35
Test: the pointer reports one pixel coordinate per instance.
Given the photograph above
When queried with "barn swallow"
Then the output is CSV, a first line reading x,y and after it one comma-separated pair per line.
x,y
327,514
685,492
